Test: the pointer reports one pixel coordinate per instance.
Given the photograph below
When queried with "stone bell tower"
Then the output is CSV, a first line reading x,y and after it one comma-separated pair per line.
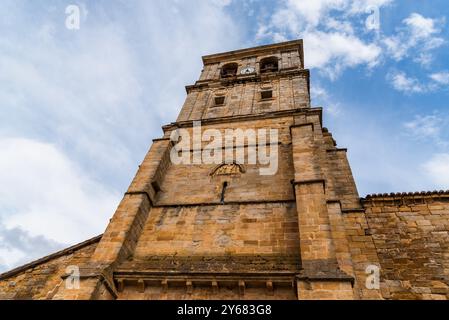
x,y
226,231
275,216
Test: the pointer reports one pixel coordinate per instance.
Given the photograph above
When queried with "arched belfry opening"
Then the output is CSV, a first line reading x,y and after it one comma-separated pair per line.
x,y
229,70
269,64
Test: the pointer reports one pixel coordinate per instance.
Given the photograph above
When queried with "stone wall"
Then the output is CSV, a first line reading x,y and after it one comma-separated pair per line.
x,y
245,98
362,250
411,235
266,228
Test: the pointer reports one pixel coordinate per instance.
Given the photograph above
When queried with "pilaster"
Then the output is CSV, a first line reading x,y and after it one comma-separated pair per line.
x,y
325,258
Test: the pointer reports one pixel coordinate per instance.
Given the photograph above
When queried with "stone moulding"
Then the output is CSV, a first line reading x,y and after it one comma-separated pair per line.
x,y
229,203
145,193
216,264
214,271
215,281
311,181
267,115
238,54
307,124
283,73
97,273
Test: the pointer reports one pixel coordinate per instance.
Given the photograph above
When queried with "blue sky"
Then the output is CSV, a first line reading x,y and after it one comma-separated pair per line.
x,y
78,108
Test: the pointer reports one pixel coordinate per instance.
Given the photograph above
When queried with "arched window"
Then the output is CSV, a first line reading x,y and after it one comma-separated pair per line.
x,y
229,70
269,64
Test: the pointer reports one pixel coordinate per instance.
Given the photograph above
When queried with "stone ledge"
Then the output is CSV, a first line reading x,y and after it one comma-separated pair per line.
x,y
144,193
100,271
310,181
323,270
215,264
233,203
337,150
246,117
269,280
287,45
299,125
160,139
282,73
353,210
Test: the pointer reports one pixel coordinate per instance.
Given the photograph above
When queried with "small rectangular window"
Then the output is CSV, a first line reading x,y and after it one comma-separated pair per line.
x,y
219,101
266,94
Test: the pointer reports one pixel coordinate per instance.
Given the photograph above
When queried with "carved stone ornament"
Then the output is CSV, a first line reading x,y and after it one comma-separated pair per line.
x,y
227,169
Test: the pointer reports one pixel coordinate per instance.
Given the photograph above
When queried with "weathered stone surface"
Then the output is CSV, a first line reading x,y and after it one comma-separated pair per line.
x,y
411,235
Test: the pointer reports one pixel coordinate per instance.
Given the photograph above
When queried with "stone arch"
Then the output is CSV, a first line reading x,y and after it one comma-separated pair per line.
x,y
269,64
229,70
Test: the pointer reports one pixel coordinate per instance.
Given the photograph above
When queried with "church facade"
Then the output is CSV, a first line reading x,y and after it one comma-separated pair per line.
x,y
276,216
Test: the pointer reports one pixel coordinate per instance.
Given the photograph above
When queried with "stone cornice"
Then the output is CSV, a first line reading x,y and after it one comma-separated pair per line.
x,y
260,50
247,117
407,197
225,203
214,279
283,73
174,274
216,264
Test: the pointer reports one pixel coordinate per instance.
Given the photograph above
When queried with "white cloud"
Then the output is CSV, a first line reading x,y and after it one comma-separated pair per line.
x,y
333,52
420,26
364,6
418,37
18,247
68,92
10,257
396,48
406,84
312,12
345,27
440,77
409,84
45,194
437,169
330,42
222,3
428,126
